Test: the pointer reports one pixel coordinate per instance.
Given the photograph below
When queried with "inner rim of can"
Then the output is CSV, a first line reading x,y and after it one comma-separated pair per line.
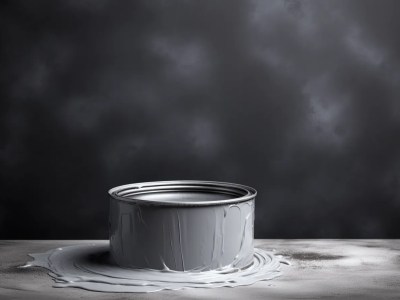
x,y
233,193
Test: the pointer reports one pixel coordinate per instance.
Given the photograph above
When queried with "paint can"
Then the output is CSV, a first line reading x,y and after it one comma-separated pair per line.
x,y
183,225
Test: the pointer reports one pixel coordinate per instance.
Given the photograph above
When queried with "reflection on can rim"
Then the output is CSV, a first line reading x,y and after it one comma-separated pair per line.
x,y
239,193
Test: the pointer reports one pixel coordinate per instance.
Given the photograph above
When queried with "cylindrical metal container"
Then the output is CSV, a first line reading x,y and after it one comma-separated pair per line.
x,y
182,225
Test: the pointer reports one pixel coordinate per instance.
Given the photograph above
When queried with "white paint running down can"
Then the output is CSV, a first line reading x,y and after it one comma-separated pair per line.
x,y
182,225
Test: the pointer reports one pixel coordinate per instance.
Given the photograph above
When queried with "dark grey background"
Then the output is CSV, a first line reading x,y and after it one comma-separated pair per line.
x,y
299,99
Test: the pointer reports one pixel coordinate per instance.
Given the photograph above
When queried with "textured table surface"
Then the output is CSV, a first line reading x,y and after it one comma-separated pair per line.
x,y
334,269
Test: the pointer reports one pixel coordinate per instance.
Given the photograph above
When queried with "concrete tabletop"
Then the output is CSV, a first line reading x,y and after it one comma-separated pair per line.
x,y
338,269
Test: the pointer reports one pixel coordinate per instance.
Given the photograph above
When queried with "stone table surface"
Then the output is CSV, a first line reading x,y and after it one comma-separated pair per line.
x,y
320,269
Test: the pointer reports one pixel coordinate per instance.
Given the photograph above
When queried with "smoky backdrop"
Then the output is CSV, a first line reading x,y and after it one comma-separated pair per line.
x,y
298,99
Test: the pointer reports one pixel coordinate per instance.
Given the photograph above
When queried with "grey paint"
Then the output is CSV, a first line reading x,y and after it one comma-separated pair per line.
x,y
89,267
182,225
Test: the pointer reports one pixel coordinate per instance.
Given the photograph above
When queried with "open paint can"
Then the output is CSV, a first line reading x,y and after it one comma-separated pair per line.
x,y
182,225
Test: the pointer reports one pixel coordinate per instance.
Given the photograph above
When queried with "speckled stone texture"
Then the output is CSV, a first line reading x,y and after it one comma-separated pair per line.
x,y
334,269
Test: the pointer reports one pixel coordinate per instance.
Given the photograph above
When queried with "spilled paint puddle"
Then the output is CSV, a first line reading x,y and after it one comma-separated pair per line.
x,y
91,267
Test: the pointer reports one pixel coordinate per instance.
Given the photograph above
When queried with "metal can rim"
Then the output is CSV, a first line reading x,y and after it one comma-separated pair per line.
x,y
243,193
